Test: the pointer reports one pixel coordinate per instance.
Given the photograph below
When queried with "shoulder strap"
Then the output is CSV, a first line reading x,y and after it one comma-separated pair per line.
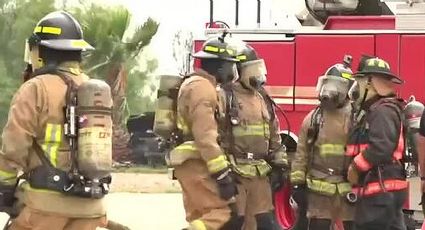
x,y
269,103
70,125
313,132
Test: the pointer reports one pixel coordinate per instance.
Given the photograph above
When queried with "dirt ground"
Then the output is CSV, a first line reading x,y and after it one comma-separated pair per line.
x,y
143,183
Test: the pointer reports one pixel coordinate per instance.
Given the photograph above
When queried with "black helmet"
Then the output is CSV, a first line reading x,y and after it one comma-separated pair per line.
x,y
216,48
377,66
246,53
59,31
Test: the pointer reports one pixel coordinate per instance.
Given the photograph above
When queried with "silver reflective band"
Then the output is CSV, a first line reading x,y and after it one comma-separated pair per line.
x,y
351,197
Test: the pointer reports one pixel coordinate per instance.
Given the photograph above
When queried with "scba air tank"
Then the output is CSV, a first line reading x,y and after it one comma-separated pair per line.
x,y
413,112
166,110
95,129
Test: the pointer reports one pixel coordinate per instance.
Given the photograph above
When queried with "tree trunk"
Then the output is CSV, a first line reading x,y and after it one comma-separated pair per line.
x,y
117,79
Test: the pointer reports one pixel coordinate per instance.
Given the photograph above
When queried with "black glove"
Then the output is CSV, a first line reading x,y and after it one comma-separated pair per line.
x,y
7,200
299,194
226,184
277,177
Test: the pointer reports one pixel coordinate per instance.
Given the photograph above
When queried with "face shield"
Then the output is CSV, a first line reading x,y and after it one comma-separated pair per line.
x,y
253,74
333,91
27,53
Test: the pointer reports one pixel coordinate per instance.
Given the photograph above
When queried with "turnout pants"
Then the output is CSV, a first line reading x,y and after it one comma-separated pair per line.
x,y
382,211
254,203
202,203
324,210
30,219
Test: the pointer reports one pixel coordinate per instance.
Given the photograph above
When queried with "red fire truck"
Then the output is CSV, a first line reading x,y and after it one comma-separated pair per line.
x,y
392,30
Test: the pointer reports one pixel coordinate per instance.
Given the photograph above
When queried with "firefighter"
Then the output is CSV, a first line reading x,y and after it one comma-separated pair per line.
x,y
421,157
201,166
249,132
33,140
319,165
377,142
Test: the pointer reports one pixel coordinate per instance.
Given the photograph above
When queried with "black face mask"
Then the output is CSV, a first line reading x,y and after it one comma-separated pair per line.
x,y
224,71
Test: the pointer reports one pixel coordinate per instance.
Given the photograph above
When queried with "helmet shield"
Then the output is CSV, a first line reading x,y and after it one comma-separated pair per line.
x,y
333,91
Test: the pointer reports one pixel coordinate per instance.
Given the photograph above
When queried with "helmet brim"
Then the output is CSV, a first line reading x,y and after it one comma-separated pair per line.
x,y
205,55
395,79
67,44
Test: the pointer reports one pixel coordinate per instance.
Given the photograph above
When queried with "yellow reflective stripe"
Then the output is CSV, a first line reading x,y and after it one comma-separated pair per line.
x,y
241,57
79,43
255,168
48,135
189,145
332,150
211,49
37,29
344,188
52,141
346,75
217,164
48,30
251,130
297,177
321,187
8,178
326,188
197,225
218,50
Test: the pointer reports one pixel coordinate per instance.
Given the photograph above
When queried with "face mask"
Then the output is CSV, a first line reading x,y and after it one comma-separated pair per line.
x,y
354,92
333,91
227,72
253,74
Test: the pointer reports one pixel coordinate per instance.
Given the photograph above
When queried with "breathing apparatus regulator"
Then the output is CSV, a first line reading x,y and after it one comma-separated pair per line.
x,y
87,112
334,85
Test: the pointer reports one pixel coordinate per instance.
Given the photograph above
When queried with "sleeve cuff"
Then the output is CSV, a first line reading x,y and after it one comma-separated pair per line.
x,y
361,163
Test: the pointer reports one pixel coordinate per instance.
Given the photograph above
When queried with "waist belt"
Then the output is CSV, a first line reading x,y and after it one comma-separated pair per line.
x,y
250,168
326,170
54,179
249,156
374,188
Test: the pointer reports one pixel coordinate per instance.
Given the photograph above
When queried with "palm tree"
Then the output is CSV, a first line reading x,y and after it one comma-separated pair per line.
x,y
114,57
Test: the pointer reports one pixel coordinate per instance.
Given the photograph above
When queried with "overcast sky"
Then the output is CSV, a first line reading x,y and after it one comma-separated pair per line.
x,y
191,15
